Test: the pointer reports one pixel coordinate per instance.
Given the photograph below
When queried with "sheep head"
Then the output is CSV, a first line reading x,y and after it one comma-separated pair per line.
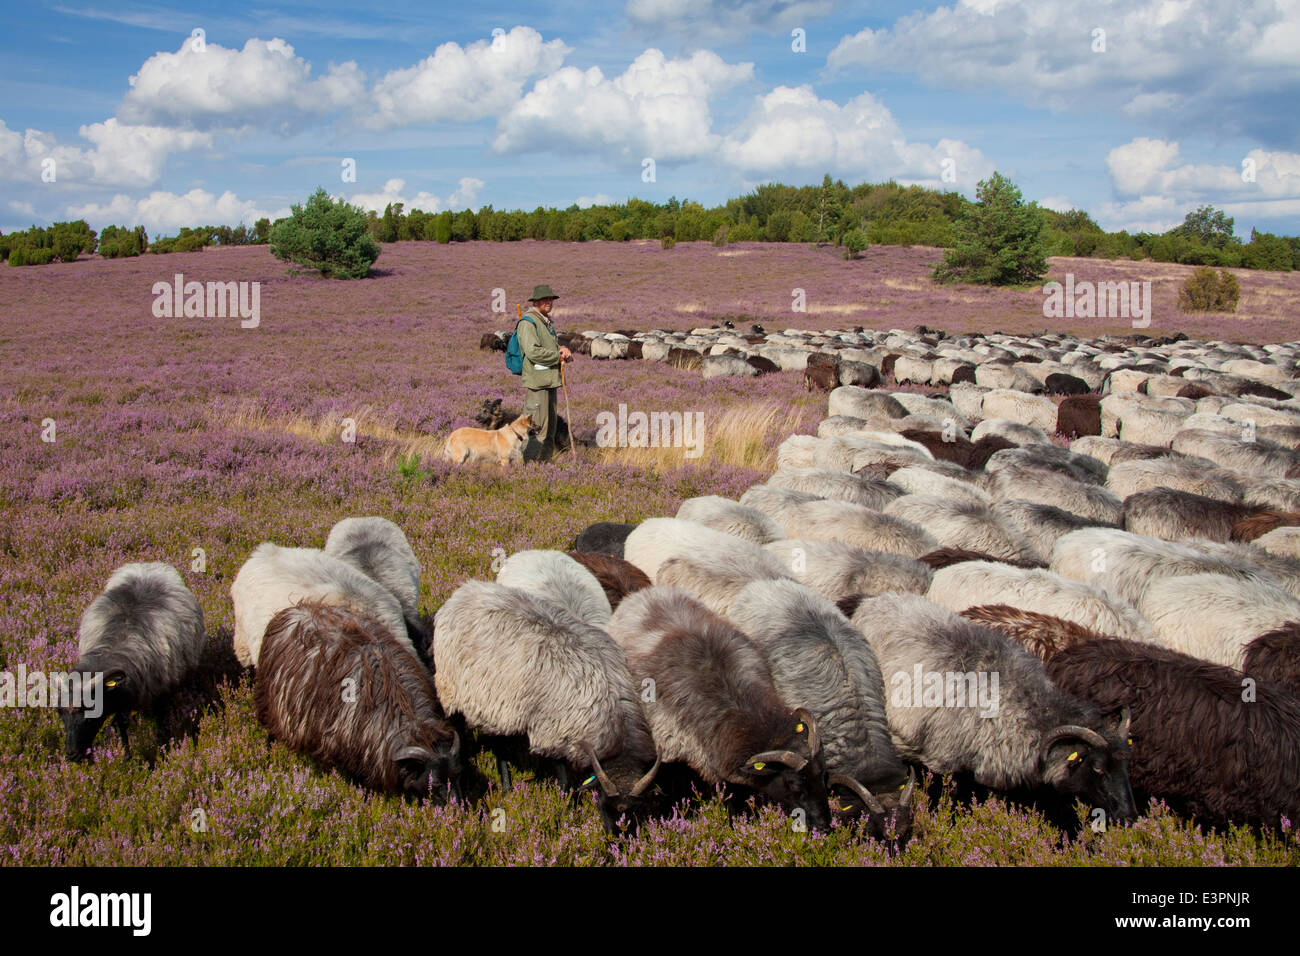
x,y
1093,767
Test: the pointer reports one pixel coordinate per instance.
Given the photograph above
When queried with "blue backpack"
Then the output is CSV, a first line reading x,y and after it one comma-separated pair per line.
x,y
514,354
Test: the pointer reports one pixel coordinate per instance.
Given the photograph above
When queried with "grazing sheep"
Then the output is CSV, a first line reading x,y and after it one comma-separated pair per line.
x,y
1213,616
1285,570
1279,494
1151,426
1010,431
855,451
1026,735
821,378
512,664
994,375
837,570
937,408
1035,411
384,728
1275,657
957,449
1198,744
968,399
138,642
836,485
555,575
819,661
915,480
715,707
617,577
1052,458
797,451
1172,515
730,517
1182,474
1049,487
603,537
715,575
843,425
1126,564
1079,415
961,523
274,578
656,540
863,403
946,556
379,549
1042,525
1259,457
853,524
1062,383
1261,523
1281,541
971,583
1041,634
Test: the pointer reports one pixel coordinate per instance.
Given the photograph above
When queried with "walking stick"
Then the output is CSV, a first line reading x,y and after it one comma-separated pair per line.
x,y
568,414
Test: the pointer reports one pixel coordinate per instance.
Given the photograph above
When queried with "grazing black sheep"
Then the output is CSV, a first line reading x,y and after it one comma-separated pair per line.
x,y
603,537
618,577
1198,743
1275,656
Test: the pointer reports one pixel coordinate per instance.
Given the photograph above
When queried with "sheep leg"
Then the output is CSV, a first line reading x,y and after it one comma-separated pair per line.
x,y
562,774
162,717
503,768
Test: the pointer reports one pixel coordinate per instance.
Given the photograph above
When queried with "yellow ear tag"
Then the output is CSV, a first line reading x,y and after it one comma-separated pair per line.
x,y
760,765
110,684
588,782
1073,756
798,728
1130,741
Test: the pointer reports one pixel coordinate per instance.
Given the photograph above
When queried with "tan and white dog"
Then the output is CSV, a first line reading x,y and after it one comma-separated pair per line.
x,y
503,445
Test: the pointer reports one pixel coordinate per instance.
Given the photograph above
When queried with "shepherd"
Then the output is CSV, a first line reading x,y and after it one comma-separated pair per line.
x,y
542,373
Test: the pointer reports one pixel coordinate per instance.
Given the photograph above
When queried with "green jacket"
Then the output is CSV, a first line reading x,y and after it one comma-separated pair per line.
x,y
540,347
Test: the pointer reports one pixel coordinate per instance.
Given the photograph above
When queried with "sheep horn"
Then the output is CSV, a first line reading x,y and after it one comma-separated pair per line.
x,y
605,783
455,745
813,743
643,784
868,798
906,800
412,753
1069,731
789,758
1124,719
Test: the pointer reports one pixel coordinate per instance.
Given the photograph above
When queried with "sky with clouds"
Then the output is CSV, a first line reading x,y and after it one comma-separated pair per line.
x,y
173,115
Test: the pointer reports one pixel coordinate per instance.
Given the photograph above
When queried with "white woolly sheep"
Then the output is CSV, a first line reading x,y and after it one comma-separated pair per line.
x,y
965,524
1213,616
1055,488
916,480
837,570
1281,541
275,578
714,575
379,549
555,575
837,485
1035,411
1150,426
797,451
1183,474
1011,431
1260,457
1042,525
656,540
730,517
972,583
856,525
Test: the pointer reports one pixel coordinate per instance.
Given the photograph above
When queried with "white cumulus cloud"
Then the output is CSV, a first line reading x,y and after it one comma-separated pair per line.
x,y
465,196
164,212
122,154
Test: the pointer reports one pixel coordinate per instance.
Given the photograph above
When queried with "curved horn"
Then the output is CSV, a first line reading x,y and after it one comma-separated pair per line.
x,y
906,800
643,784
1068,731
605,783
813,743
787,757
867,797
455,745
412,753
1124,719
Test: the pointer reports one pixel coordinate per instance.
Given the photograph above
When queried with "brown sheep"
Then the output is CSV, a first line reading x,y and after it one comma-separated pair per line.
x,y
821,377
1041,634
1079,415
1275,656
1261,523
618,577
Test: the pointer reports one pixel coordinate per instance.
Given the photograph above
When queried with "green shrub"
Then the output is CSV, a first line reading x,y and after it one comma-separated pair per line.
x,y
999,239
67,247
855,240
326,235
720,236
667,242
1205,292
37,257
16,256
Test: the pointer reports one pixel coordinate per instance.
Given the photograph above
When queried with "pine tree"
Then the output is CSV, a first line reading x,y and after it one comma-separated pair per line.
x,y
999,241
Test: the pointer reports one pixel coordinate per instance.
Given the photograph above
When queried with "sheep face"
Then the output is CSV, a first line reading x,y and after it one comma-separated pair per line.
x,y
623,792
885,816
435,774
1081,763
82,726
794,775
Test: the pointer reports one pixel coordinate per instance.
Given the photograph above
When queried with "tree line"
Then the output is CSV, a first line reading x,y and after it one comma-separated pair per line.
x,y
853,218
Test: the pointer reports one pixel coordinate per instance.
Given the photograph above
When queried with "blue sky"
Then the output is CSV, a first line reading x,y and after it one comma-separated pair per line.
x,y
1136,112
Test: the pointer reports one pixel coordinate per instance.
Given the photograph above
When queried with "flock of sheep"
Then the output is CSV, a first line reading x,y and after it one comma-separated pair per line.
x,y
1132,604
